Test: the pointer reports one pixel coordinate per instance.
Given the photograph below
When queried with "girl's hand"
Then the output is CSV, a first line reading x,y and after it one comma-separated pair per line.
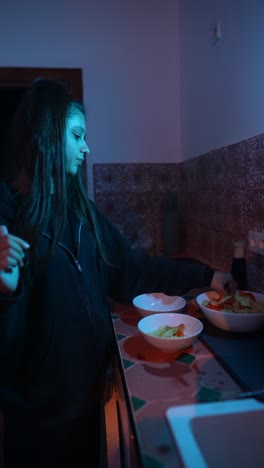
x,y
223,283
11,259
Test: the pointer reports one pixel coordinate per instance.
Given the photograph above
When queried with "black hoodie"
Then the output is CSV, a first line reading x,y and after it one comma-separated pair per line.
x,y
55,330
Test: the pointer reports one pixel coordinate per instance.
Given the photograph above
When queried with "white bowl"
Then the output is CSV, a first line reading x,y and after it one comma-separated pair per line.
x,y
152,303
229,321
193,328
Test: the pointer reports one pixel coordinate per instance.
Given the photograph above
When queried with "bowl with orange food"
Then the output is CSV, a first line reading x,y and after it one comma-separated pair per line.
x,y
170,332
240,313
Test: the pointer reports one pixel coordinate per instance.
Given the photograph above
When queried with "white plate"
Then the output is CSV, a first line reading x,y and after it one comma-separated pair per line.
x,y
223,434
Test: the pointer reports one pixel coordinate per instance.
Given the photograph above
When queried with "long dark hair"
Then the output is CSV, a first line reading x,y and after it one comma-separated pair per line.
x,y
40,128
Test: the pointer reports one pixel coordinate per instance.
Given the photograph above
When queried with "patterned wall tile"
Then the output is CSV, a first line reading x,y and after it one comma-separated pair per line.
x,y
205,246
139,216
108,178
255,166
217,169
136,177
222,250
139,177
203,171
255,209
236,160
219,219
221,198
165,177
188,203
190,239
188,176
229,213
205,205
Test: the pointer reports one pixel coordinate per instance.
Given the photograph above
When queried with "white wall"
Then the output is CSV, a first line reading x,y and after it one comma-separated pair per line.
x,y
140,107
222,84
128,50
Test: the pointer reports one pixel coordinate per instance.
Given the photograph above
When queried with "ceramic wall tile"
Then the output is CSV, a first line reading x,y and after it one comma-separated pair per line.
x,y
189,208
221,198
135,177
205,203
203,171
255,166
189,175
229,215
222,250
205,245
191,239
236,161
217,169
109,178
255,209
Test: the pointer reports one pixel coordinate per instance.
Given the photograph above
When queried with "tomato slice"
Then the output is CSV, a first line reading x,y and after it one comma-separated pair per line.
x,y
247,294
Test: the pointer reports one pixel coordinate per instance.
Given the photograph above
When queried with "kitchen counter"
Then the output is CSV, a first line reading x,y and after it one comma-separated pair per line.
x,y
149,381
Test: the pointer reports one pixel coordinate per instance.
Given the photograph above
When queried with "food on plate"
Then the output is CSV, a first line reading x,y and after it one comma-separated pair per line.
x,y
242,302
168,332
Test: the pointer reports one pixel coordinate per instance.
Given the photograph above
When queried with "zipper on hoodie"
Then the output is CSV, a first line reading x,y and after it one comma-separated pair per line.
x,y
75,257
77,239
77,243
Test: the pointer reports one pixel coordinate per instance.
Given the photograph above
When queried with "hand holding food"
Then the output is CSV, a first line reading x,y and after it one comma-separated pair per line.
x,y
11,258
223,283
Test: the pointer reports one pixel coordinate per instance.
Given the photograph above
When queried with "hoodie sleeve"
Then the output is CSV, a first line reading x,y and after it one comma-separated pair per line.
x,y
132,272
12,323
8,301
12,307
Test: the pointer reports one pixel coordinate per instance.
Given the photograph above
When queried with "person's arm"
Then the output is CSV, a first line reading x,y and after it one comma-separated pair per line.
x,y
134,272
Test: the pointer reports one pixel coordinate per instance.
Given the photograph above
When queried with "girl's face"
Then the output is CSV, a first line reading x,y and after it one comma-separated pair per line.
x,y
76,147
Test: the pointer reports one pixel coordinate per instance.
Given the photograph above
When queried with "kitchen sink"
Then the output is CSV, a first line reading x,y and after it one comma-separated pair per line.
x,y
219,434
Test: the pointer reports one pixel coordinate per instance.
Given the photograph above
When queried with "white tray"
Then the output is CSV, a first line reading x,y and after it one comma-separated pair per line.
x,y
220,434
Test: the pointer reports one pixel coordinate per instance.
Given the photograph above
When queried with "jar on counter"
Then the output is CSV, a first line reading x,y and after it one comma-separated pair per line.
x,y
239,267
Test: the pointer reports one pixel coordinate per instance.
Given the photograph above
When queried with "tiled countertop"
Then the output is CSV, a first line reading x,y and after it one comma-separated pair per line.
x,y
156,380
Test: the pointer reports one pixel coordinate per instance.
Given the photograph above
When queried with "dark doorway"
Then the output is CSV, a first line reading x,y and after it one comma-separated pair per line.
x,y
9,100
13,83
